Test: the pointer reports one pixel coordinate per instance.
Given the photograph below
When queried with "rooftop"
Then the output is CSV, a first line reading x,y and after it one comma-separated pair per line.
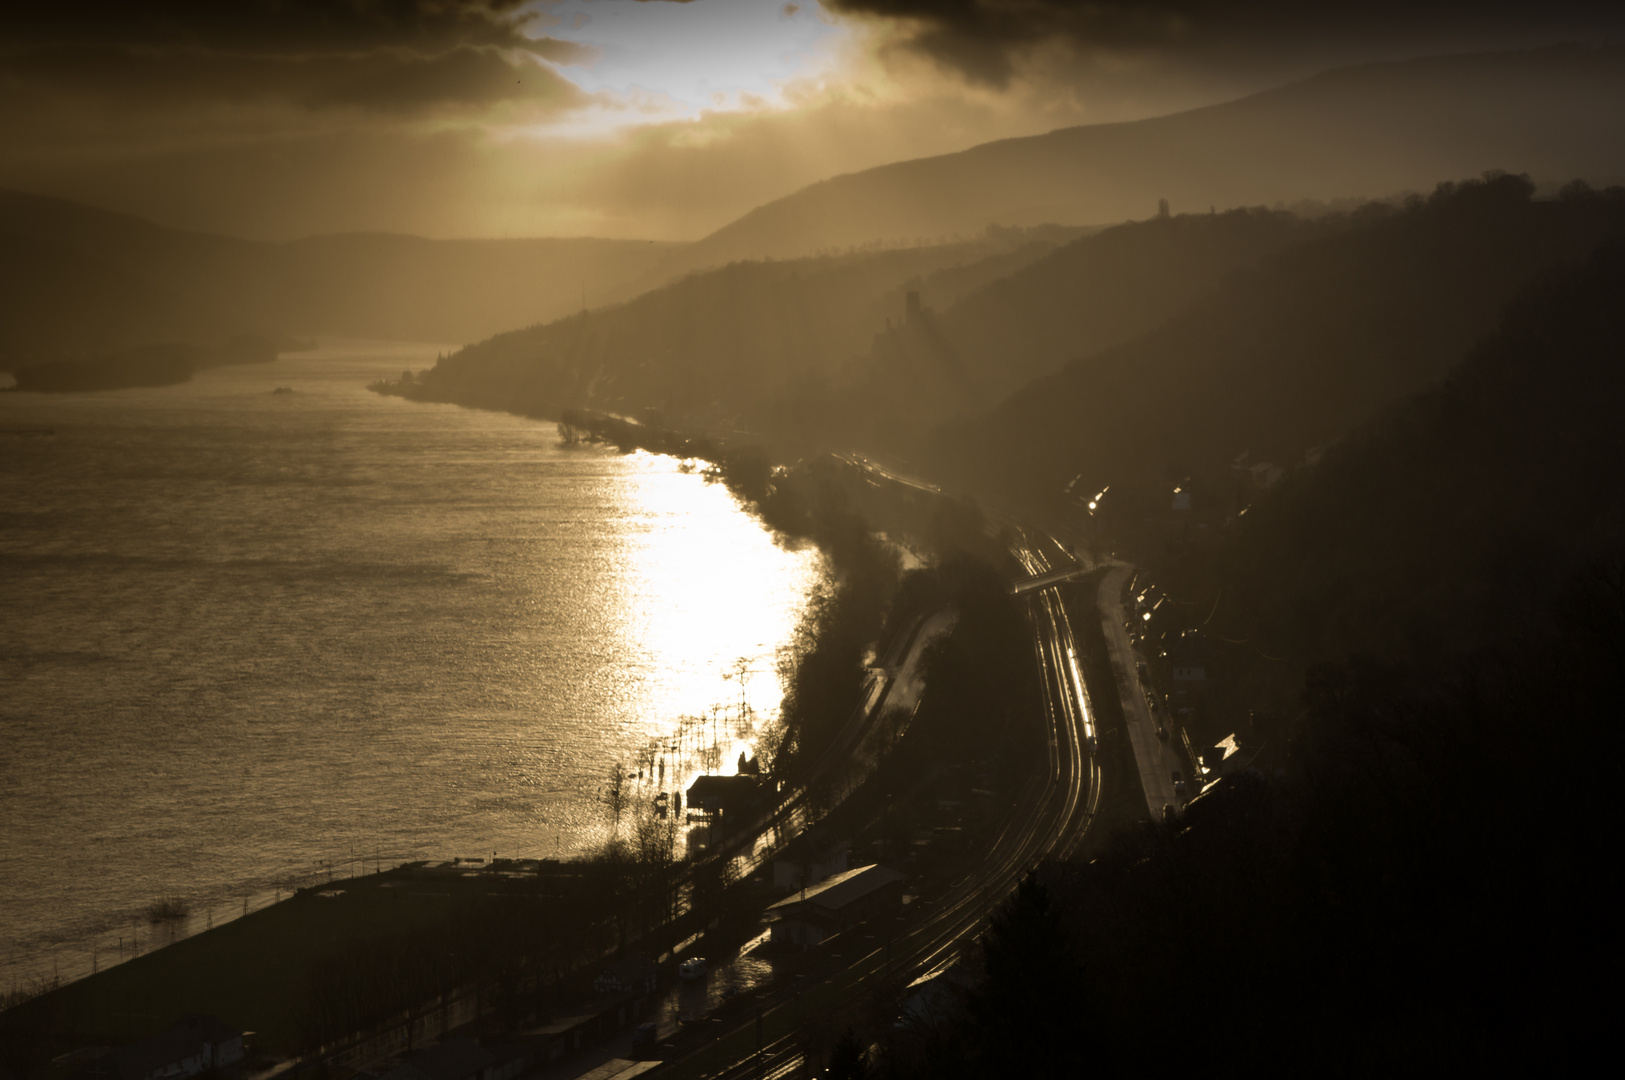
x,y
836,892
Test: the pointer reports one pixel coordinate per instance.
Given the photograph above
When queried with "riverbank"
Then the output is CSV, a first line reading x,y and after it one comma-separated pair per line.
x,y
239,625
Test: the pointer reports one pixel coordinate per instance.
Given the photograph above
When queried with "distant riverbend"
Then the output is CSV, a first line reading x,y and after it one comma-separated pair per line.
x,y
251,636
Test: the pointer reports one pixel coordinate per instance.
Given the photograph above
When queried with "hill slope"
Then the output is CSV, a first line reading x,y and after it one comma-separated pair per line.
x,y
1408,534
716,344
1362,131
1298,352
1095,293
1354,893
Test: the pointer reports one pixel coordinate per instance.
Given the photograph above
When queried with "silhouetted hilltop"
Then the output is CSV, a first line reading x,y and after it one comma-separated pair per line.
x,y
1286,357
714,344
1369,130
149,365
161,364
397,287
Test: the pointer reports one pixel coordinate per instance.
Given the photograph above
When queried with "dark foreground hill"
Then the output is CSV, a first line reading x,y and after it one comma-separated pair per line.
x,y
1413,883
1284,358
1363,131
1454,521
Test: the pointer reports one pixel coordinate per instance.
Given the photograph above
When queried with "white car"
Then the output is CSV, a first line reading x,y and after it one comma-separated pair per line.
x,y
692,968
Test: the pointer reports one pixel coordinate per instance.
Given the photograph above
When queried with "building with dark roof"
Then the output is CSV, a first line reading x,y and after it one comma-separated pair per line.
x,y
724,794
836,904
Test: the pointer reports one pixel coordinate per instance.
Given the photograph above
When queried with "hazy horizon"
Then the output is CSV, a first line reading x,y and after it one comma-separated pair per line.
x,y
638,120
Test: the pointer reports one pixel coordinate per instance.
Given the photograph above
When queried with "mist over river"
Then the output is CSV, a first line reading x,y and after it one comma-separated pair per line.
x,y
244,634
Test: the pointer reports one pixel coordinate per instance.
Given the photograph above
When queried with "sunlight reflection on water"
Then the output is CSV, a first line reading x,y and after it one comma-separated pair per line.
x,y
249,633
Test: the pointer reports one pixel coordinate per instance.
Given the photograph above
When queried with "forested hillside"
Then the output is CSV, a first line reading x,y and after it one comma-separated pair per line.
x,y
717,345
1412,883
1454,521
1106,289
1097,292
824,352
1292,355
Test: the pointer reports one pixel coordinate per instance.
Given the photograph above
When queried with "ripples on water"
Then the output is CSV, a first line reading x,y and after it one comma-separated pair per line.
x,y
248,633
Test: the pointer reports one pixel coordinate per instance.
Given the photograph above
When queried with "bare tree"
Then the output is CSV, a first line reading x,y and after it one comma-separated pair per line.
x,y
614,794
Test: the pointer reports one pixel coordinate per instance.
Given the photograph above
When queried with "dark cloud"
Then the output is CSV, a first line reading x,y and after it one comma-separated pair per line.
x,y
390,56
985,39
122,79
270,25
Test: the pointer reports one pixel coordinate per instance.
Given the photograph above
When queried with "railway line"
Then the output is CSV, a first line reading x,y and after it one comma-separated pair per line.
x,y
1050,819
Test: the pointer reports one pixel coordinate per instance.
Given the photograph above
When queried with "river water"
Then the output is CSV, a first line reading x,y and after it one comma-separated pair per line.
x,y
249,638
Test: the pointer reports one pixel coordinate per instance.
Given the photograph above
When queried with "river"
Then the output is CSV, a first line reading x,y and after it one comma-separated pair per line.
x,y
251,637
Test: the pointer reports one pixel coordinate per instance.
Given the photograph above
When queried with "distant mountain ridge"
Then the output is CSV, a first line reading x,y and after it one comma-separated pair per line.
x,y
96,280
55,303
1364,131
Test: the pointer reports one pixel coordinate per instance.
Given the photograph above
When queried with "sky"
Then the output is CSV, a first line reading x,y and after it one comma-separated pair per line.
x,y
658,119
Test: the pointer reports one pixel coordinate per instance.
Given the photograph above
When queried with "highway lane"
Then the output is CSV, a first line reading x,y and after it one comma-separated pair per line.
x,y
1155,759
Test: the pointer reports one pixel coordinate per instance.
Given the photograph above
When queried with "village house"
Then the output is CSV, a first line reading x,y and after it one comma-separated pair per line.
x,y
824,910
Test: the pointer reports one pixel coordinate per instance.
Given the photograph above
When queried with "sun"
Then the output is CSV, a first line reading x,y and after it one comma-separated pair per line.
x,y
661,61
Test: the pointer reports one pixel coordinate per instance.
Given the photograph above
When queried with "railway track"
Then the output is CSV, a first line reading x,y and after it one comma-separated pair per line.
x,y
1051,819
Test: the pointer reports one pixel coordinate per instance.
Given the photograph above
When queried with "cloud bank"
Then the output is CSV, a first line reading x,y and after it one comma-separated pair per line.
x,y
664,119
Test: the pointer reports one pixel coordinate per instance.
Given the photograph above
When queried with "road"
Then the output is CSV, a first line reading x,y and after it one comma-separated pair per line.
x,y
1155,758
